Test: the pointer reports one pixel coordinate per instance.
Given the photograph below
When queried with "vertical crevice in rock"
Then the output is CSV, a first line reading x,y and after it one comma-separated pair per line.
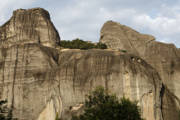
x,y
107,78
3,53
75,72
48,30
162,92
14,77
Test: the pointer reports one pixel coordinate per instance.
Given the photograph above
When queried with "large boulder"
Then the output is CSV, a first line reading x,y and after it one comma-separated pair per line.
x,y
82,71
26,80
165,58
121,37
39,82
29,26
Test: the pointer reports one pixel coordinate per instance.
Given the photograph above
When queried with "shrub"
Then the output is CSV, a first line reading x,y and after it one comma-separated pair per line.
x,y
57,117
80,44
2,116
101,46
100,105
5,113
124,51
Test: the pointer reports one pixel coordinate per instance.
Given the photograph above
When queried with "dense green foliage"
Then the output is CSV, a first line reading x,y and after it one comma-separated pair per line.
x,y
57,117
5,113
80,44
102,106
2,117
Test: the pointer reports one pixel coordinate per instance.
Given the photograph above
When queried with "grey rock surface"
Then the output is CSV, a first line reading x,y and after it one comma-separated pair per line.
x,y
40,81
26,79
165,58
29,26
81,71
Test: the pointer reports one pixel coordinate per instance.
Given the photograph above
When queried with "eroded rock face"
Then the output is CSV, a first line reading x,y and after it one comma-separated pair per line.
x,y
117,36
40,84
82,71
26,80
40,81
29,26
165,58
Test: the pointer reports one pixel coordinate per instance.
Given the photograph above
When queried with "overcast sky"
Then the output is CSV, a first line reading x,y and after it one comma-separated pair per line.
x,y
84,18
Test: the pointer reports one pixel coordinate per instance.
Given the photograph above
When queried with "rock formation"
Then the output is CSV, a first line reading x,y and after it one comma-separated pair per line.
x,y
29,26
165,58
40,81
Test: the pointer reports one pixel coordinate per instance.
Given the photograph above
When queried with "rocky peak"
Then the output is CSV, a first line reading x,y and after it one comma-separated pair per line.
x,y
40,11
29,26
117,36
165,58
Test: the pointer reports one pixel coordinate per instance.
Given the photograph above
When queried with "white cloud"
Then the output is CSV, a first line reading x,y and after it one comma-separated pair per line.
x,y
7,6
84,18
165,28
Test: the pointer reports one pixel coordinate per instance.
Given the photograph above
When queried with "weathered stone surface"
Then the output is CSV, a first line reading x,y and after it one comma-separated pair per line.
x,y
81,71
29,26
169,101
40,81
39,84
26,79
165,58
117,36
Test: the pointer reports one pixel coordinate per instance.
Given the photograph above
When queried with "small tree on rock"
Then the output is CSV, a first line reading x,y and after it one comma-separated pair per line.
x,y
100,105
5,113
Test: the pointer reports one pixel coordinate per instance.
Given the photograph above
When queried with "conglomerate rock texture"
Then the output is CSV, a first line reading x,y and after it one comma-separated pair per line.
x,y
40,81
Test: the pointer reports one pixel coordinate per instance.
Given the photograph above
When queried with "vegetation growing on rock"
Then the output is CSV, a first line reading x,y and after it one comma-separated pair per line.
x,y
5,113
102,106
2,117
80,44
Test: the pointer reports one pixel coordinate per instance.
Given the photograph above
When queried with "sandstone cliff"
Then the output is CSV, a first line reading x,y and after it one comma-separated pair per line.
x,y
123,74
165,58
40,81
29,26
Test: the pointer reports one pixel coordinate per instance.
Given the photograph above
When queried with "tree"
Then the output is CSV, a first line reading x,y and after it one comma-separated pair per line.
x,y
101,45
5,113
100,105
2,109
80,44
57,117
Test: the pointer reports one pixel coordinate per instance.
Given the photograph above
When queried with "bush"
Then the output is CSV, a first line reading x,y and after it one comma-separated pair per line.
x,y
101,46
102,106
57,117
5,113
80,44
2,116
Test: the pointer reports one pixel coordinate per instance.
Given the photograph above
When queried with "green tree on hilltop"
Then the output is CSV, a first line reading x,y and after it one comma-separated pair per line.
x,y
80,44
100,105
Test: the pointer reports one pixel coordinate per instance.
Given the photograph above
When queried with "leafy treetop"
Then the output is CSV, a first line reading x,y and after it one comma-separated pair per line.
x,y
100,105
80,44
